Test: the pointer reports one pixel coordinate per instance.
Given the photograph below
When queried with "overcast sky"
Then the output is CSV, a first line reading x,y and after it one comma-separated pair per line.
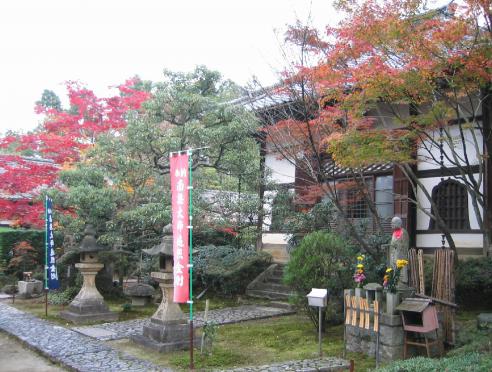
x,y
102,42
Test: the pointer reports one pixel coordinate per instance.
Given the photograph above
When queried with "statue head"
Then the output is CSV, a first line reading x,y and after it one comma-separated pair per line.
x,y
396,223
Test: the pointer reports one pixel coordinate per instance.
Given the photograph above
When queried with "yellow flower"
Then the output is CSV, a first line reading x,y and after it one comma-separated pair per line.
x,y
389,269
360,258
401,263
360,266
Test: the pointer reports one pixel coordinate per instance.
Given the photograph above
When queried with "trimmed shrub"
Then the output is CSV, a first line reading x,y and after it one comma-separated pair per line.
x,y
63,297
227,270
321,260
474,282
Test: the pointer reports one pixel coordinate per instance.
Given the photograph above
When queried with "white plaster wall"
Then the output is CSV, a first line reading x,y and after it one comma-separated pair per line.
x,y
461,240
270,238
423,219
425,160
280,170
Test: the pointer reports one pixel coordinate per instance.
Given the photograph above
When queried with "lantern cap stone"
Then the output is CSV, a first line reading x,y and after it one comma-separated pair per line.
x,y
166,245
139,290
89,242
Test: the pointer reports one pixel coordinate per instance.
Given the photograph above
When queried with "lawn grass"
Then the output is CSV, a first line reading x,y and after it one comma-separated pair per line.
x,y
256,343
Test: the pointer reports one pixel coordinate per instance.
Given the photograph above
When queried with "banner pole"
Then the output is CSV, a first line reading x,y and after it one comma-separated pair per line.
x,y
46,256
190,217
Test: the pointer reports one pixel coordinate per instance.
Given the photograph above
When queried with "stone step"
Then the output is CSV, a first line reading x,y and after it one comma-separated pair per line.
x,y
273,287
275,279
279,270
281,305
267,294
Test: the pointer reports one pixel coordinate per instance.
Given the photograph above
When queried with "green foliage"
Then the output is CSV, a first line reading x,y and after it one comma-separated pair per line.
x,y
122,186
472,362
474,282
321,217
126,308
10,237
50,100
321,260
24,258
362,148
63,297
282,210
226,269
471,339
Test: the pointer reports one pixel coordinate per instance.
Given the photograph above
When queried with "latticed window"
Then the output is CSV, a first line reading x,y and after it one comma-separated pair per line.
x,y
356,204
451,199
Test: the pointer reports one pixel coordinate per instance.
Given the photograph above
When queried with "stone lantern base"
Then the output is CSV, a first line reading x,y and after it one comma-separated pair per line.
x,y
166,336
168,329
89,305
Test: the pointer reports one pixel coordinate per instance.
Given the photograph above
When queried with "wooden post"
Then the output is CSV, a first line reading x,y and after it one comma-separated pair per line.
x,y
46,303
205,320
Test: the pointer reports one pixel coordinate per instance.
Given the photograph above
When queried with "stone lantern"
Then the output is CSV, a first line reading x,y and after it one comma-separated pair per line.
x,y
88,305
168,329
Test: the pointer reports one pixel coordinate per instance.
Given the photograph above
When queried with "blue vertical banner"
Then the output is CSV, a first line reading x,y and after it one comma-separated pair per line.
x,y
51,275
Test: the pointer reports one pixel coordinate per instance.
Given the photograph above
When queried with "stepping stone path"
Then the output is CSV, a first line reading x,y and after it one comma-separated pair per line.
x,y
119,330
62,345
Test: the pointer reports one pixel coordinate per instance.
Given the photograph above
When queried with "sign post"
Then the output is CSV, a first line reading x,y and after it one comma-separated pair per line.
x,y
51,274
182,210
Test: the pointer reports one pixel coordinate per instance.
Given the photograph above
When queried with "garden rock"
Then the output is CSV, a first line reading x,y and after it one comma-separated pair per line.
x,y
140,294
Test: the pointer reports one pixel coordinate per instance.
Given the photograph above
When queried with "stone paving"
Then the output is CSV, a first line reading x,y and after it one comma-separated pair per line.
x,y
67,347
119,330
82,353
307,365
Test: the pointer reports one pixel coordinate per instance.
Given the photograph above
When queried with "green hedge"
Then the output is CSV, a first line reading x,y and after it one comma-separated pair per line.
x,y
474,282
226,269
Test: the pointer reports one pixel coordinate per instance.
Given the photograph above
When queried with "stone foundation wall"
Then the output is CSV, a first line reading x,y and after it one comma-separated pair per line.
x,y
361,340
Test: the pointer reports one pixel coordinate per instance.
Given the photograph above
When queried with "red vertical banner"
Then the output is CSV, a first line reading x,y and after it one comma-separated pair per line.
x,y
180,204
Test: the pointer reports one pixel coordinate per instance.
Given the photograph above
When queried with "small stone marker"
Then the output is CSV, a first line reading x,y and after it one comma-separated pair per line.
x,y
484,321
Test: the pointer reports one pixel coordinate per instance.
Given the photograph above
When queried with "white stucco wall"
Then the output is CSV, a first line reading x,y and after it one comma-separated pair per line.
x,y
460,240
281,171
424,154
274,238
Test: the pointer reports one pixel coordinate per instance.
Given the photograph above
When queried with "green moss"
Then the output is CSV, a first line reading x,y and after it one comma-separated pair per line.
x,y
256,343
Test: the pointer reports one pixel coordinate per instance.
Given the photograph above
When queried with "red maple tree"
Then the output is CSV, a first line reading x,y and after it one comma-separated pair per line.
x,y
59,142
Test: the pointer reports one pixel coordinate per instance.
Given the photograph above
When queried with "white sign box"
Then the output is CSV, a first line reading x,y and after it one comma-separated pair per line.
x,y
318,297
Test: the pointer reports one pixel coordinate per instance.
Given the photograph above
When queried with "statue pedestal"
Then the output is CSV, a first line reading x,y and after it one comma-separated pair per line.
x,y
28,289
88,305
168,329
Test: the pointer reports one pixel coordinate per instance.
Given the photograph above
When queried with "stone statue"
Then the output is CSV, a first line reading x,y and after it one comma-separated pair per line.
x,y
398,249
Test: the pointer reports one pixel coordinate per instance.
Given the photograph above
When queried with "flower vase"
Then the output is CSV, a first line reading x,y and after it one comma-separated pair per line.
x,y
392,301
